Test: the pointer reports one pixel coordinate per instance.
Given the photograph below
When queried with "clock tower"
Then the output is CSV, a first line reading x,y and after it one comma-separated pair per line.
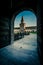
x,y
22,25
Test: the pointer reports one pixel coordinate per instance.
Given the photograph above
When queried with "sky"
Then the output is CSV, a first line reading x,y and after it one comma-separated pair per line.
x,y
29,18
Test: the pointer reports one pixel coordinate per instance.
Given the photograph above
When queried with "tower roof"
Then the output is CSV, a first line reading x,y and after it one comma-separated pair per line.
x,y
22,19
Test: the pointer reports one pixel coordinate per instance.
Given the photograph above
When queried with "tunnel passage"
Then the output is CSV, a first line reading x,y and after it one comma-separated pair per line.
x,y
14,10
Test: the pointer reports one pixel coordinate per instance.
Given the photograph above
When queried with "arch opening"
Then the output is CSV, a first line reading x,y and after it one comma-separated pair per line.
x,y
29,22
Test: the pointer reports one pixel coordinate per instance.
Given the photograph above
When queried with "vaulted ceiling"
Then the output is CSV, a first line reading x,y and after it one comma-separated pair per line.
x,y
9,7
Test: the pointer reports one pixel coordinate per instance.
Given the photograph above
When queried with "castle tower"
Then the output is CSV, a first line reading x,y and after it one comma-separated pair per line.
x,y
22,25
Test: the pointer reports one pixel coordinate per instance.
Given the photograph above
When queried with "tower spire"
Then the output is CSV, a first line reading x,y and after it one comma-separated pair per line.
x,y
22,25
22,20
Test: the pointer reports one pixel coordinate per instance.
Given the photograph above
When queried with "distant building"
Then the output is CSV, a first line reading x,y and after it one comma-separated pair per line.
x,y
29,29
22,25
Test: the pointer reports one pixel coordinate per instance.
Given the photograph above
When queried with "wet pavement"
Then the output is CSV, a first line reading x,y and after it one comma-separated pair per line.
x,y
21,52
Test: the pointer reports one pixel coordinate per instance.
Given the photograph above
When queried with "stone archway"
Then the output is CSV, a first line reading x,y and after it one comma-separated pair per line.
x,y
15,10
13,18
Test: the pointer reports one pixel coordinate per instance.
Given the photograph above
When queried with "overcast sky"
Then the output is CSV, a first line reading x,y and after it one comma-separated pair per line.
x,y
29,19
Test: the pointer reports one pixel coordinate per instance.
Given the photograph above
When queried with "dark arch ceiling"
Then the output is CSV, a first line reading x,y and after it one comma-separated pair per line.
x,y
8,8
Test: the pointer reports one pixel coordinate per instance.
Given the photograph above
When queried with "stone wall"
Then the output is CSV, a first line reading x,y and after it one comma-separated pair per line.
x,y
39,40
4,32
